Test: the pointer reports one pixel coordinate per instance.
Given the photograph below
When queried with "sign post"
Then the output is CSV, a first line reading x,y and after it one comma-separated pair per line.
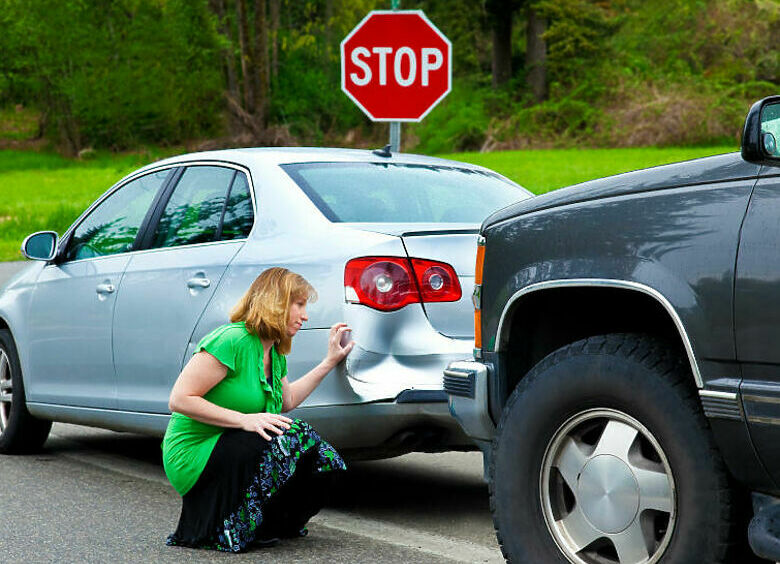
x,y
395,126
396,66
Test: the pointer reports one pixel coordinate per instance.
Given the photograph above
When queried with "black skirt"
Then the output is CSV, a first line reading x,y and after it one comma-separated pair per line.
x,y
254,489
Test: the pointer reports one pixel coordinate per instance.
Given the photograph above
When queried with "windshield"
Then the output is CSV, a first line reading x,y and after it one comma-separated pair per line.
x,y
403,193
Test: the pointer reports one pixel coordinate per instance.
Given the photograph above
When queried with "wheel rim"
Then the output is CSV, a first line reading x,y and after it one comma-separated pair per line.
x,y
6,391
607,490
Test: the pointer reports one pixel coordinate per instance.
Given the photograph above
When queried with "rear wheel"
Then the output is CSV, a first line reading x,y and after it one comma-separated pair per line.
x,y
602,456
20,432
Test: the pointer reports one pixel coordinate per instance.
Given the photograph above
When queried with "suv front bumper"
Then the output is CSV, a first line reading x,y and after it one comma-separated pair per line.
x,y
466,384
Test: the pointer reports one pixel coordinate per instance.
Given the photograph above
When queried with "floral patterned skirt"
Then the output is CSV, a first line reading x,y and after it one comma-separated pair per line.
x,y
253,489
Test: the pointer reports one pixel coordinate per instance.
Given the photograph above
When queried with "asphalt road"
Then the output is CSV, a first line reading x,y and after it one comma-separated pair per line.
x,y
97,496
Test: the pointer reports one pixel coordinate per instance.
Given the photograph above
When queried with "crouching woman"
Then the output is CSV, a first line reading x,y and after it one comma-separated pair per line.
x,y
247,474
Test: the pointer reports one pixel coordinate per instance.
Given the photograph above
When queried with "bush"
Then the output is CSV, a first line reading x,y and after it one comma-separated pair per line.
x,y
115,74
461,121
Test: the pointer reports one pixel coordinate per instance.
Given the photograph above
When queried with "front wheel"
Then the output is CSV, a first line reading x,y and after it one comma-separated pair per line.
x,y
602,455
20,432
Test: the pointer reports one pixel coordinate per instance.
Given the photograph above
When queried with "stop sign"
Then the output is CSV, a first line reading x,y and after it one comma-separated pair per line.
x,y
396,65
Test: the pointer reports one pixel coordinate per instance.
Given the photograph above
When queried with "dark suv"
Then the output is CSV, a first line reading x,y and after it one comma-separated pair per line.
x,y
625,386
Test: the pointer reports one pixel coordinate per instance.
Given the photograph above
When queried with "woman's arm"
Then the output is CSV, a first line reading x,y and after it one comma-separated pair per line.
x,y
293,393
202,373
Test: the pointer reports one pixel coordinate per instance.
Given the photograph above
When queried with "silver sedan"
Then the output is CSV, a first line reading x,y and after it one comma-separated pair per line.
x,y
96,330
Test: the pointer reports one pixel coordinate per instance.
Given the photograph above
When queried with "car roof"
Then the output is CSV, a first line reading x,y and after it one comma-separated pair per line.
x,y
290,155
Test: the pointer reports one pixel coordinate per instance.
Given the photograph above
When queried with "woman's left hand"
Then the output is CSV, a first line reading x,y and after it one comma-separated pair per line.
x,y
336,352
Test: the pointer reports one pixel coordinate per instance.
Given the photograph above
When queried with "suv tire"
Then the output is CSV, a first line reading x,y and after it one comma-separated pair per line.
x,y
603,454
20,432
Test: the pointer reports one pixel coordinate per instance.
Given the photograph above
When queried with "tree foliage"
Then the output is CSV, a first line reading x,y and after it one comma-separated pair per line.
x,y
112,73
615,72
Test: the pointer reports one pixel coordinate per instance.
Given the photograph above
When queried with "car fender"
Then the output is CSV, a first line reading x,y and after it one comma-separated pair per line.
x,y
14,304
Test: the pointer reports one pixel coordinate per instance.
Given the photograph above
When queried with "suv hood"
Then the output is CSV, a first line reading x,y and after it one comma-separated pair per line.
x,y
688,173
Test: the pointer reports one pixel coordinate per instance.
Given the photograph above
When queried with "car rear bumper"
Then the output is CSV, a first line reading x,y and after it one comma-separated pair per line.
x,y
388,428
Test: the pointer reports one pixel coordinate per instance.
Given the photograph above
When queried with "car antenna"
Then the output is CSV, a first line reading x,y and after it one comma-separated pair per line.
x,y
383,152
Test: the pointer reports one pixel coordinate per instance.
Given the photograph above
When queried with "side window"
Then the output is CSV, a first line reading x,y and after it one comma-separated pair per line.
x,y
239,214
112,227
194,210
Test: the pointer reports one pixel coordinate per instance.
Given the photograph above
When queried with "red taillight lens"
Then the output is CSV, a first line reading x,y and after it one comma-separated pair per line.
x,y
384,283
438,281
390,283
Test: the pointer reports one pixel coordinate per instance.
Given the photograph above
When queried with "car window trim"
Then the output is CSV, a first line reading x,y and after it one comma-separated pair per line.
x,y
150,229
62,244
67,237
218,234
155,210
158,209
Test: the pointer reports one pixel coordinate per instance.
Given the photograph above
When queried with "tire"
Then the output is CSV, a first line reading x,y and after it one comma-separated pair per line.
x,y
603,455
20,432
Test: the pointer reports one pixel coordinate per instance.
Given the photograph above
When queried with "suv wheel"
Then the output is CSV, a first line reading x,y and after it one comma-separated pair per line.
x,y
603,455
19,431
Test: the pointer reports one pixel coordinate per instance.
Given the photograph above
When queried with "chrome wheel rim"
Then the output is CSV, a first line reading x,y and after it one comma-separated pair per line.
x,y
6,390
607,490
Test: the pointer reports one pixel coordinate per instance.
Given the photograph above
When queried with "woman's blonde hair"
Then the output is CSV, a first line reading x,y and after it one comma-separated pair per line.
x,y
265,307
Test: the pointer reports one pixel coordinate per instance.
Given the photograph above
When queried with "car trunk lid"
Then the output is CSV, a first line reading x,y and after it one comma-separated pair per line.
x,y
453,243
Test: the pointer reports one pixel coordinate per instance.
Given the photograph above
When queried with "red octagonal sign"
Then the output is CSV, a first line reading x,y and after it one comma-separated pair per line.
x,y
396,65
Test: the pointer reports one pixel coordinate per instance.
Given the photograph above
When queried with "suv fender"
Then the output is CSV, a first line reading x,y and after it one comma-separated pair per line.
x,y
514,304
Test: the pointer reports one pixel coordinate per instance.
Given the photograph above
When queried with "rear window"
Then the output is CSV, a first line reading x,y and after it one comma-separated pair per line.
x,y
403,193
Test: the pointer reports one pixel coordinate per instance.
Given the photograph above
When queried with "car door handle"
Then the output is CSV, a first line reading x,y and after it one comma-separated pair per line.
x,y
105,288
198,282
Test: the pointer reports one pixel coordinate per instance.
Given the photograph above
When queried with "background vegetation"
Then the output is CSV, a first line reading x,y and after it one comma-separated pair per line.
x,y
48,192
527,73
595,87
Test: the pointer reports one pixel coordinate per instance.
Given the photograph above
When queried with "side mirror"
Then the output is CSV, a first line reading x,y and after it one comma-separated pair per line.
x,y
761,136
40,246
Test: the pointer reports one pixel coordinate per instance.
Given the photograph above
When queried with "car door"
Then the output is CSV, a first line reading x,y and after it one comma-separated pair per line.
x,y
757,318
72,306
204,219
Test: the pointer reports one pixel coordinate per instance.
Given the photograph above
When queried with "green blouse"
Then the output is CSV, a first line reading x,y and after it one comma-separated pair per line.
x,y
188,443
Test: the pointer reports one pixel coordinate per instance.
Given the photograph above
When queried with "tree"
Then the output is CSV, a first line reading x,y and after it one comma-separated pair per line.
x,y
500,14
113,74
536,54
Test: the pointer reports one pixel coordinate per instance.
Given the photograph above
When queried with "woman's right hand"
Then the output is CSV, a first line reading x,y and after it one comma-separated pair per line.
x,y
265,423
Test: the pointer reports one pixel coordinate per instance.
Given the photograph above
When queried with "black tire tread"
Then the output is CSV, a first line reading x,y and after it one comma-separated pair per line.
x,y
25,433
654,354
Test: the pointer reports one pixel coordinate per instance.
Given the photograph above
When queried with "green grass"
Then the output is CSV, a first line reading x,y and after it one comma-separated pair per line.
x,y
544,170
40,191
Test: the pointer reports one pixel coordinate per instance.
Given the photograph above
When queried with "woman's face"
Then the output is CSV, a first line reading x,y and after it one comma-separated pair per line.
x,y
297,316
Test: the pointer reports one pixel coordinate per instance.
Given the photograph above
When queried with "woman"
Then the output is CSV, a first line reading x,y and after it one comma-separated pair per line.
x,y
246,473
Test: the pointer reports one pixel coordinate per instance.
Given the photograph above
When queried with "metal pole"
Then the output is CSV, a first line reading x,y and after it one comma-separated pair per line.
x,y
395,126
395,136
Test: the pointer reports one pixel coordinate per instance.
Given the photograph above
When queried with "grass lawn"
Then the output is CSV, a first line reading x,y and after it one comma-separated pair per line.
x,y
40,191
544,170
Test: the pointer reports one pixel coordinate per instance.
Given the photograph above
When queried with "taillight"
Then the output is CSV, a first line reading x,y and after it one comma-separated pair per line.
x,y
390,283
476,297
384,283
437,280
